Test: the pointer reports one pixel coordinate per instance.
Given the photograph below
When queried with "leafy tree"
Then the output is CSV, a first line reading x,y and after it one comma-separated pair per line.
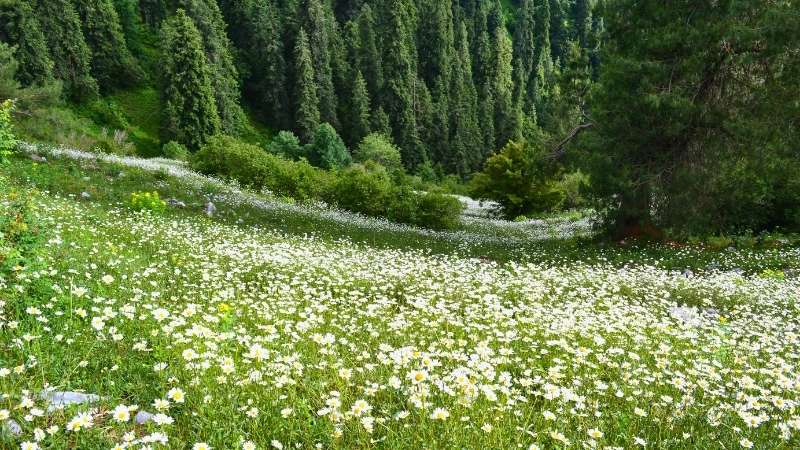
x,y
19,26
520,179
190,112
61,26
327,150
113,64
224,75
307,103
380,149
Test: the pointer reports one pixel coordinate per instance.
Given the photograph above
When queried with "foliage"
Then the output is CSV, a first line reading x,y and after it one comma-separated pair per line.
x,y
520,179
174,150
18,25
691,95
286,144
147,201
307,115
8,142
20,232
380,149
327,150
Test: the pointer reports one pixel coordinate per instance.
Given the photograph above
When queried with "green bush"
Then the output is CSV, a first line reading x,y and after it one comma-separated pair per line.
x,y
519,178
379,148
363,191
8,142
328,150
147,201
286,144
438,211
174,150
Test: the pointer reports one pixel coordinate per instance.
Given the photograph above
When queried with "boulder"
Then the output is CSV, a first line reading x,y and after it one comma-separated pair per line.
x,y
61,399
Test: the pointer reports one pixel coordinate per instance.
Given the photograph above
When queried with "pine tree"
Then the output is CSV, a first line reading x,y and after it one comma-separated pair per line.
x,y
466,137
542,80
507,119
190,111
525,48
321,26
131,22
113,64
582,22
359,109
380,122
224,75
307,117
61,26
19,26
400,86
559,34
369,59
153,12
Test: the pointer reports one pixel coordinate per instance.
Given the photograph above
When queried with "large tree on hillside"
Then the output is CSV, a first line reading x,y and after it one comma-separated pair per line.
x,y
697,118
113,65
19,27
506,112
525,40
321,28
369,56
306,117
466,139
208,19
61,26
190,111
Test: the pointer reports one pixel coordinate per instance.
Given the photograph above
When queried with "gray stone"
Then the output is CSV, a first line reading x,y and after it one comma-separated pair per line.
x,y
688,273
176,203
12,427
210,209
38,158
61,399
689,316
86,195
142,417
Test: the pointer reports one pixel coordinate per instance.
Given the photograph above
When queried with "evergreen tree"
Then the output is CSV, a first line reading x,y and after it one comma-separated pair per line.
x,y
224,75
190,111
359,122
61,26
113,64
19,26
400,86
506,113
369,58
380,122
321,26
582,22
327,149
131,22
307,117
559,33
466,136
525,49
153,12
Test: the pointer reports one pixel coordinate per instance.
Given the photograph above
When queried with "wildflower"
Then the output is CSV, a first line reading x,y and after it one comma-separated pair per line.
x,y
176,395
440,414
107,279
29,446
201,446
248,445
121,413
594,433
746,443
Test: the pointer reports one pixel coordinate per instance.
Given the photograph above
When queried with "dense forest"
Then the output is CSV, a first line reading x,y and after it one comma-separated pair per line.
x,y
678,115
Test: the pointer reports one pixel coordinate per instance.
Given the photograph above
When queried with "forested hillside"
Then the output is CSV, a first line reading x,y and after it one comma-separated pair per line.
x,y
449,81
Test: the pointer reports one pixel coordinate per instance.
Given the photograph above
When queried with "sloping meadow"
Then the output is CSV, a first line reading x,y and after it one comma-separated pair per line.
x,y
240,337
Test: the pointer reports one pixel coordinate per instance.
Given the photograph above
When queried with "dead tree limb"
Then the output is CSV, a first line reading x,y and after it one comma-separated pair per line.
x,y
560,149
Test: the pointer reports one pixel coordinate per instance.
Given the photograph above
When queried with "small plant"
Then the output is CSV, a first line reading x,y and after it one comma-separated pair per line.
x,y
7,140
147,201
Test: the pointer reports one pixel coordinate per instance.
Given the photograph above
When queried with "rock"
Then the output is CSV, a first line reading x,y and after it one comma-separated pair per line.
x,y
210,209
86,195
176,203
737,271
11,426
142,417
688,273
40,159
61,399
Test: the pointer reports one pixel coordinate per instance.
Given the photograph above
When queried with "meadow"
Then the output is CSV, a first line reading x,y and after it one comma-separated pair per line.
x,y
277,325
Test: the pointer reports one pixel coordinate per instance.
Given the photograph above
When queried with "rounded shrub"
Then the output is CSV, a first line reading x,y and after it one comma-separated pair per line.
x,y
380,149
286,144
174,150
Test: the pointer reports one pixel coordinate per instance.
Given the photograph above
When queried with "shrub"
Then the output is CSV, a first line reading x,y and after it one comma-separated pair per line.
x,y
379,148
286,144
8,142
438,211
360,190
147,201
328,150
174,150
